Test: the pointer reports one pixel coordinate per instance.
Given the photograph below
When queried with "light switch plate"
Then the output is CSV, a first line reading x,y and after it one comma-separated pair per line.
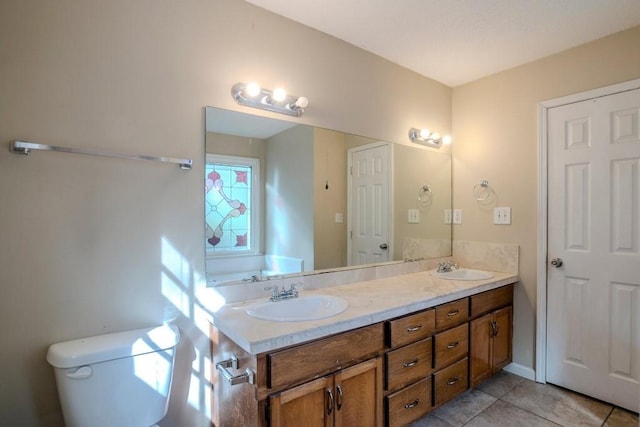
x,y
448,216
414,216
457,216
502,216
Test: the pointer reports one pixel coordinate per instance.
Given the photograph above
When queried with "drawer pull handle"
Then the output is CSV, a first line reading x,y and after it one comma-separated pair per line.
x,y
339,398
453,380
414,362
414,329
453,313
453,345
329,401
412,404
494,329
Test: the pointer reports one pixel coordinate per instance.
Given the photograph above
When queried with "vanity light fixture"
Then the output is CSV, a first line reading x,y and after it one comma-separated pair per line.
x,y
277,101
428,138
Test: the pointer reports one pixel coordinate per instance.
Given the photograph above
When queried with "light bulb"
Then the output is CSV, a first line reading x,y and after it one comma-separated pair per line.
x,y
279,95
435,136
302,102
424,133
446,139
252,90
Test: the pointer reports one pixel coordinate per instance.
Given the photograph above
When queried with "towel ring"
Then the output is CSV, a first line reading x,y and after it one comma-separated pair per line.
x,y
425,196
482,191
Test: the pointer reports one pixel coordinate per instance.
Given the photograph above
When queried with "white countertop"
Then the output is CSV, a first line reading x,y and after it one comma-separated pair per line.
x,y
369,302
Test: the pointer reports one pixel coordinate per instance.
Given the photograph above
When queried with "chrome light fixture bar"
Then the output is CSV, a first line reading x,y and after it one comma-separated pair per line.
x,y
277,101
428,138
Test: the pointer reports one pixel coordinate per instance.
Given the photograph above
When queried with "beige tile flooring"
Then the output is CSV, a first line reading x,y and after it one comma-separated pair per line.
x,y
508,400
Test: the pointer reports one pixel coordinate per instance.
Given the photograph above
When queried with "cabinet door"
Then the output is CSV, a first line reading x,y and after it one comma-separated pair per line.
x,y
358,395
480,349
307,405
502,338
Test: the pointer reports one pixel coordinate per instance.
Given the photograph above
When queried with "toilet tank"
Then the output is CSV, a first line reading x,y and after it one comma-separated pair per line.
x,y
120,379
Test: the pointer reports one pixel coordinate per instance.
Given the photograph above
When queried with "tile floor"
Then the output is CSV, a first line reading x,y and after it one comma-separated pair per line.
x,y
508,400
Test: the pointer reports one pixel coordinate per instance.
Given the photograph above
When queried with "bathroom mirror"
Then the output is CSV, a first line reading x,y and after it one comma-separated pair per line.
x,y
282,198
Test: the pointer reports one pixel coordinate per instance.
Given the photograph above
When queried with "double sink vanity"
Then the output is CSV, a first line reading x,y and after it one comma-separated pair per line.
x,y
377,352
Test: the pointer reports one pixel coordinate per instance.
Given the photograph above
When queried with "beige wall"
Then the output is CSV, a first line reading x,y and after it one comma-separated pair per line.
x,y
495,138
414,167
329,170
289,195
93,245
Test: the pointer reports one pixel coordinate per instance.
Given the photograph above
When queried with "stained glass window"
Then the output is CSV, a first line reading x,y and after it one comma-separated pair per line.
x,y
231,204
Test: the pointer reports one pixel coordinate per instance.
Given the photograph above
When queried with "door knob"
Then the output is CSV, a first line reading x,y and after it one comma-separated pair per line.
x,y
556,262
383,246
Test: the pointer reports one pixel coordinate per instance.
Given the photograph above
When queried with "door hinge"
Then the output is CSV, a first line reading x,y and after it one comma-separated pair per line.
x,y
351,234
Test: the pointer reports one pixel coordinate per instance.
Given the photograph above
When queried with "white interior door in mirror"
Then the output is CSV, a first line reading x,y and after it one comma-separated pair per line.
x,y
369,204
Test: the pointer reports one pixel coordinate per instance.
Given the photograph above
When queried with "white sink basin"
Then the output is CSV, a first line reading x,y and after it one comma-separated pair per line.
x,y
463,274
307,307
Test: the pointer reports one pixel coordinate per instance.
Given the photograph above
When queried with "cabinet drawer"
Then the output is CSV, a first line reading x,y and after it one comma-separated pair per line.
x,y
450,382
490,300
451,345
452,313
408,364
409,404
296,364
408,329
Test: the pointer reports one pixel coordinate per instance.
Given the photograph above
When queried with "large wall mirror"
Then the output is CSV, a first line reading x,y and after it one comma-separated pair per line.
x,y
284,198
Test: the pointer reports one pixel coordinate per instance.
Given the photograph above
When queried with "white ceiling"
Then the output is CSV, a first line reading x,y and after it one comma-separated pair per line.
x,y
458,41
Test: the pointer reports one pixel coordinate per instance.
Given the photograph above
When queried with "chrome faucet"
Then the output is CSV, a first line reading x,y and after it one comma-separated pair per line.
x,y
447,266
280,294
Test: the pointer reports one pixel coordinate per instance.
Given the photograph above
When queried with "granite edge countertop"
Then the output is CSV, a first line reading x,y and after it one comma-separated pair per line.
x,y
370,302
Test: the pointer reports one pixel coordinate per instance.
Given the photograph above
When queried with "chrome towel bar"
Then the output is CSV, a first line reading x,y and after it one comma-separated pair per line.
x,y
23,147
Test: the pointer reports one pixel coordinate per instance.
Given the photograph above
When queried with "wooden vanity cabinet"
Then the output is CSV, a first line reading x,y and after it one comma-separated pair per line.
x,y
349,397
491,333
392,373
332,381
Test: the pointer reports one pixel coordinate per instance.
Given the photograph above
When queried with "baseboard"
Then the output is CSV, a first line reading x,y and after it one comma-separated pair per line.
x,y
521,371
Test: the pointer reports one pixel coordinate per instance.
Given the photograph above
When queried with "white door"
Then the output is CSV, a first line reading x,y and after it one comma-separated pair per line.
x,y
369,204
593,297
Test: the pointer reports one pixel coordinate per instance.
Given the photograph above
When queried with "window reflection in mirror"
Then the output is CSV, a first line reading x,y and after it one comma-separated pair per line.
x,y
299,220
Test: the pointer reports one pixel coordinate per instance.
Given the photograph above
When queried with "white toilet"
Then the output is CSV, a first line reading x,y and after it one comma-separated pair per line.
x,y
120,379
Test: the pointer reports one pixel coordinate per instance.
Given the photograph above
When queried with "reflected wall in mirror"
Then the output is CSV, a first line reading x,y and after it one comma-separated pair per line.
x,y
277,198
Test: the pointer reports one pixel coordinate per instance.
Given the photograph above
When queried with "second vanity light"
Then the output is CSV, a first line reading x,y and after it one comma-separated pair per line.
x,y
428,138
277,101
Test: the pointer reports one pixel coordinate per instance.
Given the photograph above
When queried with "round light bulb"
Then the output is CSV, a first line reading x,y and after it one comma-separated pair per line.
x,y
252,90
424,133
446,139
435,136
279,95
302,102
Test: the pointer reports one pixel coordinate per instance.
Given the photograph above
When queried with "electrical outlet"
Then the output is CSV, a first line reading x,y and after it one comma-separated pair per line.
x,y
502,216
457,216
448,216
339,218
414,216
